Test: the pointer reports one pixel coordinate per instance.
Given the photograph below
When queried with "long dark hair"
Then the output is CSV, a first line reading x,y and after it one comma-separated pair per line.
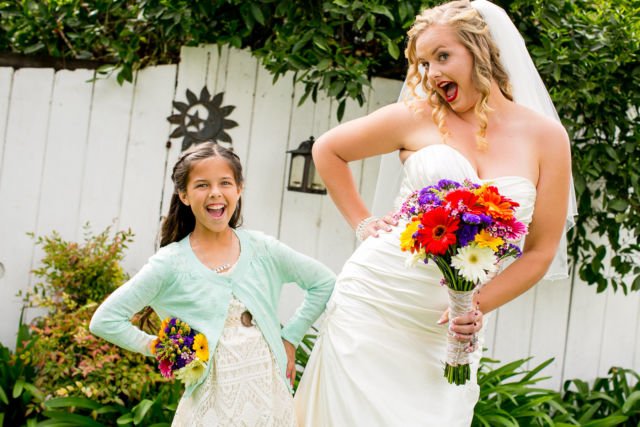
x,y
180,220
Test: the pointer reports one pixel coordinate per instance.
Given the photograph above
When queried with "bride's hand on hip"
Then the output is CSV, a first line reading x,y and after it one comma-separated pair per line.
x,y
371,227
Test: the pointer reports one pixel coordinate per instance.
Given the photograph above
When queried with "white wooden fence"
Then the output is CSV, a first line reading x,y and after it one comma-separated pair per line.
x,y
74,150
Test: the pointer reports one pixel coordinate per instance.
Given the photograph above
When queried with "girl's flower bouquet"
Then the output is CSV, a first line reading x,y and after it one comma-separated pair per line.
x,y
466,229
181,352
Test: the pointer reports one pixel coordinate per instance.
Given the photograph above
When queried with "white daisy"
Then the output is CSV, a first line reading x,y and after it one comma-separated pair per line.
x,y
474,263
192,372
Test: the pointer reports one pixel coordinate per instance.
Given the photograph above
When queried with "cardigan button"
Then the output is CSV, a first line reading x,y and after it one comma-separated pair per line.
x,y
246,318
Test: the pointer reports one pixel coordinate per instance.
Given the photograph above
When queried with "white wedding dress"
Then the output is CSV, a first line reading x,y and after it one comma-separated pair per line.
x,y
379,358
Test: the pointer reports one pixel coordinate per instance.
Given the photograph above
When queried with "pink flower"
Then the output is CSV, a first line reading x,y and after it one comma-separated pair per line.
x,y
166,368
514,229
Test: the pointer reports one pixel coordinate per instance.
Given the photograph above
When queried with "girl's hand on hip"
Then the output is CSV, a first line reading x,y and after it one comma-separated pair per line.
x,y
291,360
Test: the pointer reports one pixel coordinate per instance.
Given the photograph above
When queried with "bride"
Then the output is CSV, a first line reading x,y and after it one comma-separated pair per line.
x,y
474,108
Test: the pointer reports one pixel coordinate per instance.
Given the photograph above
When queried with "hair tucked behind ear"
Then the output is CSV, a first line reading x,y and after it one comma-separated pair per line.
x,y
474,34
180,220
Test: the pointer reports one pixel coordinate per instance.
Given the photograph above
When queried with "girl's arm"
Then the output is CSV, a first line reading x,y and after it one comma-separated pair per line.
x,y
546,227
112,320
314,277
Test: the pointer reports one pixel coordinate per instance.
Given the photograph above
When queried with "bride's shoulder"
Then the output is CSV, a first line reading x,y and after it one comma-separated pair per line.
x,y
544,130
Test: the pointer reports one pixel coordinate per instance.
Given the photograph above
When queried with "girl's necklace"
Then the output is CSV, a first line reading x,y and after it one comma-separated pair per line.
x,y
221,268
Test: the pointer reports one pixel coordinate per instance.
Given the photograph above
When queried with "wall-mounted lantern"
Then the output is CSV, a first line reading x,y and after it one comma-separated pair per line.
x,y
303,176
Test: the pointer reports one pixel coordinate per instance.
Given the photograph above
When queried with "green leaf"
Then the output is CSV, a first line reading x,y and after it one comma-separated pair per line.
x,y
70,402
341,108
74,419
140,411
125,419
3,398
611,421
257,13
393,49
618,205
18,387
630,402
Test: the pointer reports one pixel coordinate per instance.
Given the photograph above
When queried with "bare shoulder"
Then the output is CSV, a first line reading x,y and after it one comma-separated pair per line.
x,y
548,134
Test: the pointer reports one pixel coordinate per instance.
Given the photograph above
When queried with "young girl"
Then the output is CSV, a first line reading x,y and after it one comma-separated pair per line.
x,y
224,282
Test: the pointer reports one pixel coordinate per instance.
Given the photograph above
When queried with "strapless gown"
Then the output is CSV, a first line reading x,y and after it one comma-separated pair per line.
x,y
379,357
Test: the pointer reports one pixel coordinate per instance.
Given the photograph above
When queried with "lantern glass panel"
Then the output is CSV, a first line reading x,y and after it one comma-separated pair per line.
x,y
315,182
296,175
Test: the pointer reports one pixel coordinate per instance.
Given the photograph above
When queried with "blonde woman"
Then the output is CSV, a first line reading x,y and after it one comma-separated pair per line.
x,y
379,358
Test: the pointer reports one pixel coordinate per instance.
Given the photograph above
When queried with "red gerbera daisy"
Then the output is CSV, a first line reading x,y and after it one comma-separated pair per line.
x,y
463,199
438,231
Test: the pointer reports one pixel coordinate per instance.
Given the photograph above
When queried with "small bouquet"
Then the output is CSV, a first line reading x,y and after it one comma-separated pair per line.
x,y
181,351
466,229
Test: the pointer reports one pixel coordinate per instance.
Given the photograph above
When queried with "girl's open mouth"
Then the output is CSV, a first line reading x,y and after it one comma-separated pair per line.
x,y
450,91
216,211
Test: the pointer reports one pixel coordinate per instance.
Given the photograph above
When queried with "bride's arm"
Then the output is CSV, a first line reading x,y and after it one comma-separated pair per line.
x,y
546,227
380,132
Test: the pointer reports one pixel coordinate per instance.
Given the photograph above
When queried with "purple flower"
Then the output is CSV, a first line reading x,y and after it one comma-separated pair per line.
x,y
188,341
486,219
447,184
466,233
470,218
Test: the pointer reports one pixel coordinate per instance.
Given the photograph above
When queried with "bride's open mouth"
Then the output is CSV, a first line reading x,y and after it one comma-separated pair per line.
x,y
450,90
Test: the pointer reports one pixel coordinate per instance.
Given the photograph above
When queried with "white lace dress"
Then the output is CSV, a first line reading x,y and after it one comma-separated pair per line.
x,y
244,387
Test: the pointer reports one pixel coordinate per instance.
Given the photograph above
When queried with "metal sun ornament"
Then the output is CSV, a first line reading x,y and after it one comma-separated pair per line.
x,y
202,119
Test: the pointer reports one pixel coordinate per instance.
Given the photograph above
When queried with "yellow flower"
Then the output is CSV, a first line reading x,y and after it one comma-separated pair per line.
x,y
201,347
406,237
154,343
163,326
486,240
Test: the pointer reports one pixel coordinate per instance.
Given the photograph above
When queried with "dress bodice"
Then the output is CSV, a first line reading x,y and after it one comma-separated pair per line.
x,y
440,161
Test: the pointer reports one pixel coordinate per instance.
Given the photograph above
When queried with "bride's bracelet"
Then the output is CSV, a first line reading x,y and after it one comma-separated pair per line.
x,y
362,227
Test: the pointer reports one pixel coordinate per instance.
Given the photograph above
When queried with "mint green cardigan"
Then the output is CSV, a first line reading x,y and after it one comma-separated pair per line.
x,y
175,283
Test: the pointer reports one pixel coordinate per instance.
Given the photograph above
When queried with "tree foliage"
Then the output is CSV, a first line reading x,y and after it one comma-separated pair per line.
x,y
588,54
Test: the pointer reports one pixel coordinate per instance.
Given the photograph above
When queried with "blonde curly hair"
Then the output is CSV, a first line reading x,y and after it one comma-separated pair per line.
x,y
474,34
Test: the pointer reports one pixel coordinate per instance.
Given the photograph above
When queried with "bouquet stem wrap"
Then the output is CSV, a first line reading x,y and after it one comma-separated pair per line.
x,y
457,370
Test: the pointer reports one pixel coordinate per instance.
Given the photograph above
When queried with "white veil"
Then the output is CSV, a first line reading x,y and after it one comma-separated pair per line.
x,y
528,90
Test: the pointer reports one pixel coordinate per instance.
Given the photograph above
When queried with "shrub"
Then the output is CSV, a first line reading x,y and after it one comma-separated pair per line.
x,y
68,360
86,272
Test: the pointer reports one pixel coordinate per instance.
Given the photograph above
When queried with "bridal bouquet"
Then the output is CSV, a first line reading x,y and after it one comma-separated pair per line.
x,y
181,352
466,229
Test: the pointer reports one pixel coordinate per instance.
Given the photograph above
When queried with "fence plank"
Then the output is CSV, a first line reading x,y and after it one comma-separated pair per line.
x,y
239,91
65,152
145,157
20,184
586,326
192,74
266,157
6,80
106,154
618,343
513,328
549,329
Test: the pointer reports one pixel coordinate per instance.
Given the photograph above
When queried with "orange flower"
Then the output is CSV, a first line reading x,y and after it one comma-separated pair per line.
x,y
496,205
